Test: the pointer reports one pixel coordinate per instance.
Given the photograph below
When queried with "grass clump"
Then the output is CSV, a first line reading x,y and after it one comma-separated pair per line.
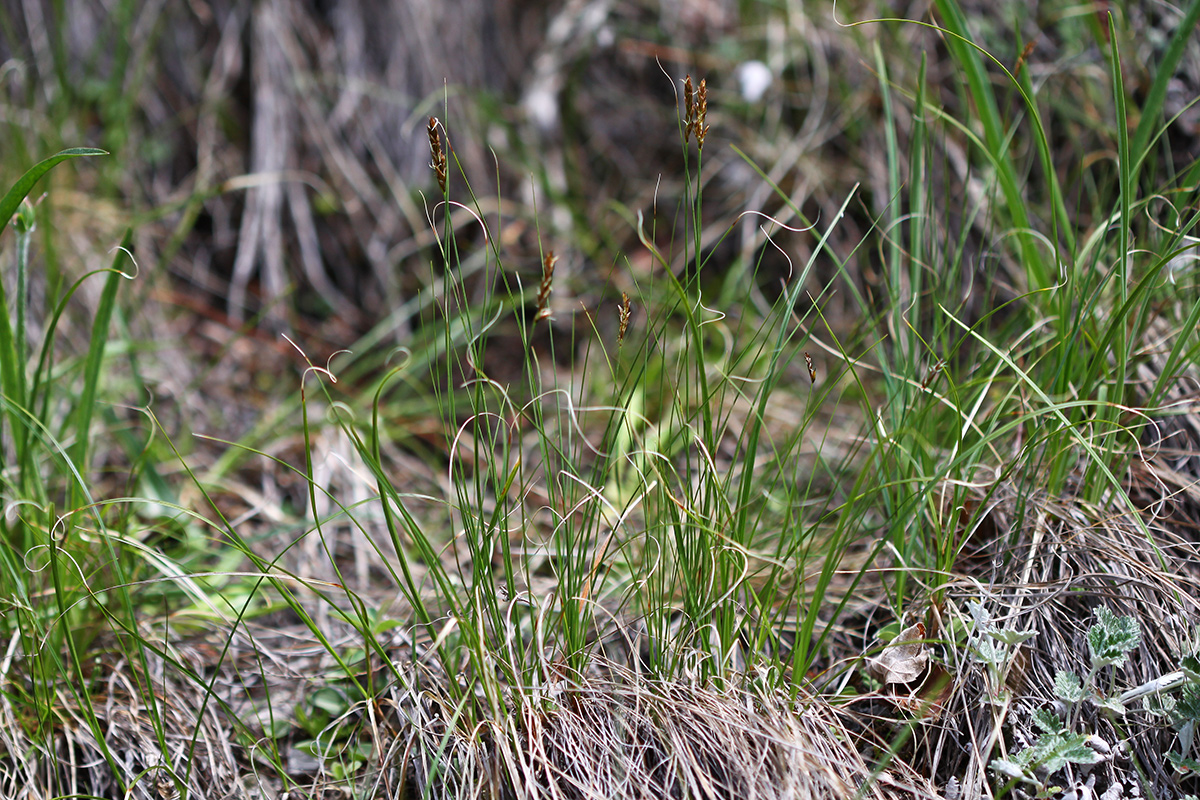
x,y
769,491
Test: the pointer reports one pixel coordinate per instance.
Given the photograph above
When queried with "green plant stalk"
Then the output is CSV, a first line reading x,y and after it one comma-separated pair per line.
x,y
900,296
1110,395
95,360
79,686
116,104
708,554
1179,351
902,359
25,225
471,495
1060,222
692,542
773,374
11,358
918,196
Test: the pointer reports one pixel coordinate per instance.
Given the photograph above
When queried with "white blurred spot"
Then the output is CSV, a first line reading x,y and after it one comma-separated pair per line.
x,y
755,78
541,106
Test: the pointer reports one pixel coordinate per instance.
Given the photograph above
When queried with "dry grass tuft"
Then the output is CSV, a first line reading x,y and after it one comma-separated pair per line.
x,y
625,736
183,747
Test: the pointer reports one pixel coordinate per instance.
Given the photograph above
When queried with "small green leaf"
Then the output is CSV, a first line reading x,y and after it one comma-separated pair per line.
x,y
1009,769
982,617
1047,721
1056,746
991,653
276,728
312,747
331,701
1188,706
1191,668
1158,704
1012,637
26,217
1182,765
1187,737
386,625
1056,751
984,624
311,723
1110,704
890,631
1067,686
1111,638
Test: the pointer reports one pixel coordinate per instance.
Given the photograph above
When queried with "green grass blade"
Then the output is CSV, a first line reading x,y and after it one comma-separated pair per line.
x,y
1151,117
21,189
95,355
981,92
10,359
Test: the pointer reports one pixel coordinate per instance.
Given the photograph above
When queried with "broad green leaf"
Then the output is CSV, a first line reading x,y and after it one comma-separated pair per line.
x,y
989,652
1055,751
1012,637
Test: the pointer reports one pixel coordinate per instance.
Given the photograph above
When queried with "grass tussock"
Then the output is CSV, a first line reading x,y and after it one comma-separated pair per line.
x,y
635,429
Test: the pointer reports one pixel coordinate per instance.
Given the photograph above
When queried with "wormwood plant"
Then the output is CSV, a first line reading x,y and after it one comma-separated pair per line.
x,y
1059,743
1110,640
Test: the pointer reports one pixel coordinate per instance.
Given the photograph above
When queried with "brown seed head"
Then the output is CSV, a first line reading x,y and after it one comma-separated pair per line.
x,y
689,108
623,315
439,155
701,113
933,372
1024,56
543,299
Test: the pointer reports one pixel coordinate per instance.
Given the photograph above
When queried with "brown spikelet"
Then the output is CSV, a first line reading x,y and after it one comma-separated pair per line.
x,y
1024,56
439,155
933,372
701,130
624,317
812,371
689,107
543,299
